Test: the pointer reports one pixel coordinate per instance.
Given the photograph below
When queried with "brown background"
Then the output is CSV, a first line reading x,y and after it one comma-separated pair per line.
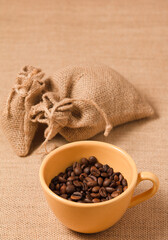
x,y
130,36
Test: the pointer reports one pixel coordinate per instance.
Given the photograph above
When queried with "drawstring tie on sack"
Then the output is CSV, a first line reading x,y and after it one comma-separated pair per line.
x,y
56,114
23,88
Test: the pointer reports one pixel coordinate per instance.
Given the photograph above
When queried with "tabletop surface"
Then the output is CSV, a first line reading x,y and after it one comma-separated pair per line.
x,y
131,37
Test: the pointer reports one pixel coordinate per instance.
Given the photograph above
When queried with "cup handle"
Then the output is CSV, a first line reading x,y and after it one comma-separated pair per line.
x,y
147,194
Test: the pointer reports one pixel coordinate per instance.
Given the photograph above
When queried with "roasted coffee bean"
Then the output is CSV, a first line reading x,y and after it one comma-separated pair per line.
x,y
113,184
61,179
100,181
63,189
92,160
109,171
94,171
77,183
84,186
104,174
77,171
110,189
98,165
120,178
84,161
76,196
95,189
52,186
87,170
72,174
95,195
106,182
82,176
69,169
118,183
70,188
115,194
56,192
71,178
88,181
91,183
119,188
125,188
124,182
64,196
105,167
115,178
57,187
87,200
102,192
55,179
96,200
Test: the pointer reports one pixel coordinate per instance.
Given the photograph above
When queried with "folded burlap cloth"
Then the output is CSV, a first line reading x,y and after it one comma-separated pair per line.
x,y
83,101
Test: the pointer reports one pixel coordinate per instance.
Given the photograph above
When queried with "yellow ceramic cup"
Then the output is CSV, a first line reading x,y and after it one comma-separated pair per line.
x,y
93,217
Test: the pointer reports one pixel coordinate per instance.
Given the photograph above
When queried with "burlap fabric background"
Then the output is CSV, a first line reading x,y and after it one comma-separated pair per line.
x,y
131,37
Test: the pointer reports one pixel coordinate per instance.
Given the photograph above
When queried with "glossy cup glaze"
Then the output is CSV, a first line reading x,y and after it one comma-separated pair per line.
x,y
93,217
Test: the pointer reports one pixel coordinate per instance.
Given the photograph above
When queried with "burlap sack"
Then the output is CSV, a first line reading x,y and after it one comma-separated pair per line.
x,y
88,99
19,129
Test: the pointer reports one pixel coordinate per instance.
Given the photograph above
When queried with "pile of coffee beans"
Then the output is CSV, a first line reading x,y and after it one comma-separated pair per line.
x,y
88,181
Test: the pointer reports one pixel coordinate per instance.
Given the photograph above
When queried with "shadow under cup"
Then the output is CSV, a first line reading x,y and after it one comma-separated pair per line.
x,y
88,217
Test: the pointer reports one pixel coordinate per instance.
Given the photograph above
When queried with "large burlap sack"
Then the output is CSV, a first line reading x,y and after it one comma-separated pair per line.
x,y
19,129
87,100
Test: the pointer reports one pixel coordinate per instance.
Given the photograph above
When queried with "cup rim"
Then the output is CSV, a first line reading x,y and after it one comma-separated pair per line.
x,y
86,205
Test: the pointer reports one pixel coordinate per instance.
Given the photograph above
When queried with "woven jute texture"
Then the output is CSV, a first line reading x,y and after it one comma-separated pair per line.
x,y
15,120
130,37
87,100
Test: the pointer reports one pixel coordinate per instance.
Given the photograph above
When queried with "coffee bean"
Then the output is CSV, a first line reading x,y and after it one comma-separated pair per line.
x,y
88,181
70,188
84,161
106,182
52,186
63,189
104,174
71,178
76,196
118,183
82,176
124,182
91,183
110,171
64,196
102,192
105,167
95,189
92,160
110,189
98,165
120,178
77,183
119,188
94,171
86,200
96,200
115,194
115,178
55,179
100,181
125,188
95,195
69,169
61,179
87,170
77,171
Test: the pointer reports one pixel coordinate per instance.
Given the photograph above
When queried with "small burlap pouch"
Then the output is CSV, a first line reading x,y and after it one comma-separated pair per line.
x,y
16,124
87,100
